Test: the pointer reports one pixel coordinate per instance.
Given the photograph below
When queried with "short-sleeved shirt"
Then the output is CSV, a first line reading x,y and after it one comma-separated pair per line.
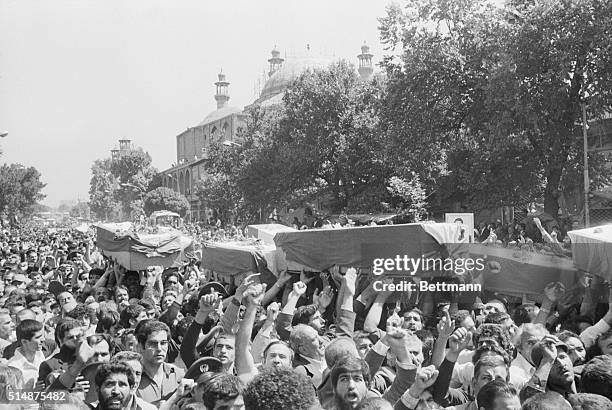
x,y
150,392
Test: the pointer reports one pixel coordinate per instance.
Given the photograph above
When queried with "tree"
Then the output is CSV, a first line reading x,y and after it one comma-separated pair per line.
x,y
20,189
237,180
500,87
118,186
81,210
411,196
165,199
326,144
102,187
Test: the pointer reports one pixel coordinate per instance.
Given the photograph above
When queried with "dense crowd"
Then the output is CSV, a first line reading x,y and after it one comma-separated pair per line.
x,y
77,323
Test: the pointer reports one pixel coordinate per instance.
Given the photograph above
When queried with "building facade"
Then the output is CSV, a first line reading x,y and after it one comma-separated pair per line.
x,y
225,123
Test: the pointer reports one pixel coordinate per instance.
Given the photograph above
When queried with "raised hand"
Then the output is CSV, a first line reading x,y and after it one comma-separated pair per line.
x,y
445,326
283,278
549,344
398,340
84,352
537,222
272,311
304,277
254,294
350,281
208,302
246,282
394,321
459,340
425,378
554,291
299,288
324,298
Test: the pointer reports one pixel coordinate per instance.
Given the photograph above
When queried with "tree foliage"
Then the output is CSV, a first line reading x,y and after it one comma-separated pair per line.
x,y
102,187
163,198
117,187
81,210
491,96
20,189
410,196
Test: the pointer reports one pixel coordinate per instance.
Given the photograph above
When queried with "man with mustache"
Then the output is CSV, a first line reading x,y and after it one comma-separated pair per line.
x,y
115,383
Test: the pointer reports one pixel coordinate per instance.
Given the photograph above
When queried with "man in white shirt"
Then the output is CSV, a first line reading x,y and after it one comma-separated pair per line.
x,y
29,356
531,333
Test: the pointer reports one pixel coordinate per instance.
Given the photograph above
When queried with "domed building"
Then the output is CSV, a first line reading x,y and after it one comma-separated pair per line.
x,y
226,121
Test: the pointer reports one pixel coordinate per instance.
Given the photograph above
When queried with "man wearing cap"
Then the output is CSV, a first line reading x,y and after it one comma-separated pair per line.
x,y
554,369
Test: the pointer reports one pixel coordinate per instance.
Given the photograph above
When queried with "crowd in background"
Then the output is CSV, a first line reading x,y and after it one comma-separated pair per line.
x,y
76,322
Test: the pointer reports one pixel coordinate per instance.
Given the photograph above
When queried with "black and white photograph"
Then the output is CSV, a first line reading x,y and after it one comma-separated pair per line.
x,y
322,205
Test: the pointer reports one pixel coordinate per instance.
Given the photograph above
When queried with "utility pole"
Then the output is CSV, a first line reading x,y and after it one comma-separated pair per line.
x,y
587,221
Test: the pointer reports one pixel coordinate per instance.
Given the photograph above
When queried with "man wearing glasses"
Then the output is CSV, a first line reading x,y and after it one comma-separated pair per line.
x,y
159,379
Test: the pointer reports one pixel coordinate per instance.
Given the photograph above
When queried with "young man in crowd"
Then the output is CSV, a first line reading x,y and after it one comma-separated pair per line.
x,y
159,379
29,356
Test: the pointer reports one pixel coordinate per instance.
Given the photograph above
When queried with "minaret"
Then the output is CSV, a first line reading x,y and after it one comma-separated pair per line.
x,y
222,95
365,62
276,62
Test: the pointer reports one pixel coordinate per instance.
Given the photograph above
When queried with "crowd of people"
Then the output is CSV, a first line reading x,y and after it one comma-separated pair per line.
x,y
78,324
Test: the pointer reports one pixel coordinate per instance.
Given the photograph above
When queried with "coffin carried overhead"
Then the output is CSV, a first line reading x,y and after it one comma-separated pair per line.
x,y
138,250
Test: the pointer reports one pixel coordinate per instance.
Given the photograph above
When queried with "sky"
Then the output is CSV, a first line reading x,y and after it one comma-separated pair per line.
x,y
78,75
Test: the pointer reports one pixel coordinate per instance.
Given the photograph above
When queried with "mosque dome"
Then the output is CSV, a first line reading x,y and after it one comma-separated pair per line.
x,y
220,113
291,69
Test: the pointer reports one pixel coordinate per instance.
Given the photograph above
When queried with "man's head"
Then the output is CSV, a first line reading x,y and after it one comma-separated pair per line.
x,y
121,294
413,320
363,342
549,400
575,346
153,341
494,305
134,361
530,335
604,342
224,348
65,298
30,336
278,355
338,348
589,401
562,371
7,326
305,340
68,332
309,315
597,376
132,315
115,383
350,379
493,334
102,348
223,391
498,395
280,389
487,369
